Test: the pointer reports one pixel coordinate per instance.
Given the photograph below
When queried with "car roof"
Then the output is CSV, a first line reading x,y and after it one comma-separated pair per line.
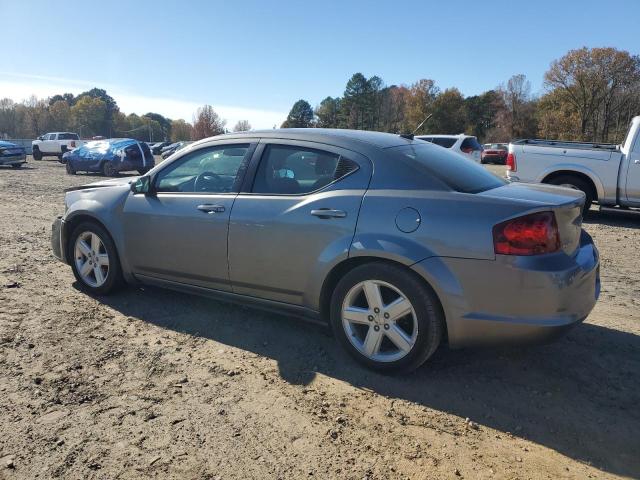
x,y
437,135
333,136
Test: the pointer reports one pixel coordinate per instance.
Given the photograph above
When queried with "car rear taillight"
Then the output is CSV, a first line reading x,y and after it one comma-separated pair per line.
x,y
533,234
511,162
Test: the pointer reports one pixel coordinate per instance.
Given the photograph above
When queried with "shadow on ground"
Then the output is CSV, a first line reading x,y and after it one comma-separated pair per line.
x,y
578,396
614,218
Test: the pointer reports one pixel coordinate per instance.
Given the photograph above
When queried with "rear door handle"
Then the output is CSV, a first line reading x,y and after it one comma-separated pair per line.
x,y
328,213
208,208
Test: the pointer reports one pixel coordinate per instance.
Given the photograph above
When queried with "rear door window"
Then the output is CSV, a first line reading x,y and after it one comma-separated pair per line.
x,y
68,136
291,170
453,170
444,141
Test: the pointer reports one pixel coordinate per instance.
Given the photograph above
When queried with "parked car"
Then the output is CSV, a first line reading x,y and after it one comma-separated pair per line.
x,y
157,148
12,154
110,157
54,144
495,153
463,144
607,174
173,148
443,249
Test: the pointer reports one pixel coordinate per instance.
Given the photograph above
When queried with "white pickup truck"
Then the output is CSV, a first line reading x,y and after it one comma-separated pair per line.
x,y
607,174
54,144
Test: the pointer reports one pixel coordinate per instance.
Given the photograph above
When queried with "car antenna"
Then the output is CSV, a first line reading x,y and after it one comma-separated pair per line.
x,y
409,136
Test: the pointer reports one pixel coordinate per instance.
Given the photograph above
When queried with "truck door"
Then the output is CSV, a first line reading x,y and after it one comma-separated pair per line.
x,y
632,181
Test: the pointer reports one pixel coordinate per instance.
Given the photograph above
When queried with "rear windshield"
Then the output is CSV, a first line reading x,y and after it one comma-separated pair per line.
x,y
471,143
455,171
445,142
67,136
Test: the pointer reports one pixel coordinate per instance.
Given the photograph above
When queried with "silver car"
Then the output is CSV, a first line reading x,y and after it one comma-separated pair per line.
x,y
397,243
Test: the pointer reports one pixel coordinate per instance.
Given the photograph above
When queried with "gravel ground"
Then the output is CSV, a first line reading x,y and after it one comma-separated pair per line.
x,y
150,383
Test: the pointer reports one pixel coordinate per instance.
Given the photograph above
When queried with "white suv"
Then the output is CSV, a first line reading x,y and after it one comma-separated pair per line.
x,y
463,144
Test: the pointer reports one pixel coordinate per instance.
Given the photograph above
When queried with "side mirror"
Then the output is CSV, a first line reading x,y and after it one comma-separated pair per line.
x,y
141,185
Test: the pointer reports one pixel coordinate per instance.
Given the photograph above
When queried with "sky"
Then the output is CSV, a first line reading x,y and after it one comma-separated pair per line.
x,y
253,59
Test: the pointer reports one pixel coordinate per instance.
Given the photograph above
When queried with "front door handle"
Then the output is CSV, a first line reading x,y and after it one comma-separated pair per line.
x,y
208,208
328,213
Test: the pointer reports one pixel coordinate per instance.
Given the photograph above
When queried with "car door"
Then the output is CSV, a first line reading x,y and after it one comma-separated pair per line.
x,y
632,182
296,214
178,232
48,144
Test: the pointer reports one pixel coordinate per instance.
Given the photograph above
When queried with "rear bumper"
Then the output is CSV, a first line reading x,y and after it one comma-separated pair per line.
x,y
515,300
58,240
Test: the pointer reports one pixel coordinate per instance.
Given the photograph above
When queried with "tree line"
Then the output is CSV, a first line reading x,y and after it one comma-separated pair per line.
x,y
96,113
589,95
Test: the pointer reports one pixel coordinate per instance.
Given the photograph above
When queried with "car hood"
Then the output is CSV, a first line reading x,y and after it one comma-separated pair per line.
x,y
112,182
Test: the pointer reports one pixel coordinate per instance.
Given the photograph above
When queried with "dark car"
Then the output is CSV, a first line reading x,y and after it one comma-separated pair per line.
x,y
173,148
12,154
495,153
157,148
110,157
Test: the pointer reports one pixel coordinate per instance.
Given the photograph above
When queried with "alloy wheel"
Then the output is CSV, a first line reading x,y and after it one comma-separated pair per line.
x,y
91,259
379,321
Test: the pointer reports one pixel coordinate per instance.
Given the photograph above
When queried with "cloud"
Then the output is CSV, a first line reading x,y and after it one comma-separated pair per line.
x,y
19,87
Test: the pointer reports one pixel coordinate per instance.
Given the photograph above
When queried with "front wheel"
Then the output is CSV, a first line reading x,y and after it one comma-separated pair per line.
x,y
386,317
94,259
70,169
37,154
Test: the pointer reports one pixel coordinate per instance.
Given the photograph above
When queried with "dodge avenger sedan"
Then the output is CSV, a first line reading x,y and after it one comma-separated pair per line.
x,y
398,243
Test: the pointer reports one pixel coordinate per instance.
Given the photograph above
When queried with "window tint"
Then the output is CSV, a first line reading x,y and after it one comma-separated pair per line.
x,y
470,143
453,170
442,141
52,136
297,170
210,170
67,136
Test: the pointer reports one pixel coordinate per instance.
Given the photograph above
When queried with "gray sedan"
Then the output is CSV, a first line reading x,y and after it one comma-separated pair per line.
x,y
397,243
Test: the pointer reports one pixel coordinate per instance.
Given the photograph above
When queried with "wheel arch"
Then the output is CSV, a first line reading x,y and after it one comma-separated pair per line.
x,y
596,188
339,270
75,220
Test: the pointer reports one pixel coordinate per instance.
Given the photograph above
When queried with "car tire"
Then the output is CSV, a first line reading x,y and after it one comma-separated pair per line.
x,y
108,170
93,252
577,184
37,154
70,169
419,331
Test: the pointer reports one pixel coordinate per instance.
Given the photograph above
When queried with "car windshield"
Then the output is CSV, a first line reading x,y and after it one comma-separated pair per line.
x,y
455,171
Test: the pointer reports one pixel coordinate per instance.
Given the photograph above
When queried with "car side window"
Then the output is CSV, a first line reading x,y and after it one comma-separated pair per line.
x,y
52,136
207,170
291,170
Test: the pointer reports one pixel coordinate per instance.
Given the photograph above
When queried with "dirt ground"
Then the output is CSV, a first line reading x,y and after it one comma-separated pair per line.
x,y
150,383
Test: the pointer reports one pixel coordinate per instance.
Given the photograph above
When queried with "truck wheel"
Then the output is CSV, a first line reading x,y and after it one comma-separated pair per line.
x,y
577,184
37,154
108,169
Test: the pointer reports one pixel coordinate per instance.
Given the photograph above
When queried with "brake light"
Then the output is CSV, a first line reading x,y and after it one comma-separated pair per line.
x,y
532,234
511,162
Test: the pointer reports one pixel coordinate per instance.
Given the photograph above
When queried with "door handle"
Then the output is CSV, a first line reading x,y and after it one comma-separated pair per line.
x,y
207,208
328,213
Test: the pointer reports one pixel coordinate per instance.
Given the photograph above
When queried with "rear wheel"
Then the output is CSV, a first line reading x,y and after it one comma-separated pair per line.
x,y
37,154
70,169
577,184
108,170
94,259
386,318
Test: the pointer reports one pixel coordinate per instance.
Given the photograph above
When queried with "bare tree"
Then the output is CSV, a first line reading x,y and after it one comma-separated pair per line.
x,y
242,126
207,123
